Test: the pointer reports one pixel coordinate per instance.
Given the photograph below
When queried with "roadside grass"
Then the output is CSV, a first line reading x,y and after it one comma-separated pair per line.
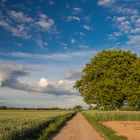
x,y
55,126
95,118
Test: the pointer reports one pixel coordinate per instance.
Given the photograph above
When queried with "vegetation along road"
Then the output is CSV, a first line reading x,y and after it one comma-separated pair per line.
x,y
78,129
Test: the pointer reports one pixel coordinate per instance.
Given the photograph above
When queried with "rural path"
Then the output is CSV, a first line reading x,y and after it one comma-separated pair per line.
x,y
77,129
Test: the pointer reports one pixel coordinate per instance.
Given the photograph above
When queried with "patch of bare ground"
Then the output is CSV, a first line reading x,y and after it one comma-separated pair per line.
x,y
130,129
77,129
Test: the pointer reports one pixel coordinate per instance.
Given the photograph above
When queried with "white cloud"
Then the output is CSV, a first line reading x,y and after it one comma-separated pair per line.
x,y
127,24
126,21
20,16
73,41
76,11
10,75
51,2
135,30
83,46
120,19
38,100
18,31
46,23
134,40
66,84
55,56
73,18
43,83
106,2
87,27
133,44
114,35
125,11
21,25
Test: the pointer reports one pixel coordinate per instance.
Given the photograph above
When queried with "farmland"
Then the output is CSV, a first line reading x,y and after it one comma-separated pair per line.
x,y
29,124
98,120
114,115
39,124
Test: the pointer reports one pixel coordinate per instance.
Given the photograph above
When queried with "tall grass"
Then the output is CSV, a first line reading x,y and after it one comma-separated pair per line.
x,y
115,115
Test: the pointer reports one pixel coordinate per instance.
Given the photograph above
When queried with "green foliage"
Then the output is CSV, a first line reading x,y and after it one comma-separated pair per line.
x,y
111,80
77,108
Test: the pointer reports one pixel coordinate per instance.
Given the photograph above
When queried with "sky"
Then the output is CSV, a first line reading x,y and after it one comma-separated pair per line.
x,y
45,44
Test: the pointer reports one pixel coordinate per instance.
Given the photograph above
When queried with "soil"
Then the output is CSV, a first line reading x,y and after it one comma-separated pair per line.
x,y
130,129
77,129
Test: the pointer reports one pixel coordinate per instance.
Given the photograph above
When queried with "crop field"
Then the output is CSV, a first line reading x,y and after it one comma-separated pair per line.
x,y
98,119
28,124
114,115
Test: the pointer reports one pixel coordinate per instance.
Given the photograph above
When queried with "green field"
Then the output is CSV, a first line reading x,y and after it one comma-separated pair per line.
x,y
28,124
95,118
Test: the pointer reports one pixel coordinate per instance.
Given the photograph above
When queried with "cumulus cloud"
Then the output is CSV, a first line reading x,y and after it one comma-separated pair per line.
x,y
125,10
46,23
19,16
19,30
10,75
127,23
55,88
43,83
20,24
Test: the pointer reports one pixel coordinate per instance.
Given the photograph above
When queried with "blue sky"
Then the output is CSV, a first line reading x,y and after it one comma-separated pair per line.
x,y
44,44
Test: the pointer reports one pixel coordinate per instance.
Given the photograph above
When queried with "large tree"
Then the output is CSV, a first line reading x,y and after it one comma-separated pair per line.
x,y
111,80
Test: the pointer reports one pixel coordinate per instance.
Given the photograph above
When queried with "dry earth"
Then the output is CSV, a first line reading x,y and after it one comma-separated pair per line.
x,y
77,129
130,129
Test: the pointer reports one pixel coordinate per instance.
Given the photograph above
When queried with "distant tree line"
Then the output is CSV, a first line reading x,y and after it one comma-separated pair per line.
x,y
24,108
111,80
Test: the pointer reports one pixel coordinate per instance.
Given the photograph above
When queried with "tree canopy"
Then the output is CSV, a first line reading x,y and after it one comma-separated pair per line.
x,y
111,80
77,108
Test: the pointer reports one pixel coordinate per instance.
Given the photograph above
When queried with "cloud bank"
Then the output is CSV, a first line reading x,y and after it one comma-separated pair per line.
x,y
10,75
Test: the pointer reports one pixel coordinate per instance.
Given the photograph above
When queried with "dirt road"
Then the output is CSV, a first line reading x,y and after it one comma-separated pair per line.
x,y
78,129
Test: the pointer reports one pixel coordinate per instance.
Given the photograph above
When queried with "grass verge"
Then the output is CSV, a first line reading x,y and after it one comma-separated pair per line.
x,y
55,126
104,131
